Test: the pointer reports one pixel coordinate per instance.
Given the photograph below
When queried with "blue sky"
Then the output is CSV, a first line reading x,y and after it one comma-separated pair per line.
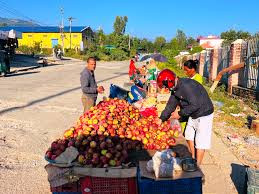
x,y
147,18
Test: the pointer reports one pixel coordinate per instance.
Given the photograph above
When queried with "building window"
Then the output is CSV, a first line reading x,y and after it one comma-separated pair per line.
x,y
74,36
45,36
29,35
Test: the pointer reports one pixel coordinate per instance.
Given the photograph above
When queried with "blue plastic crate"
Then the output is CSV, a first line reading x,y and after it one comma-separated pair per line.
x,y
179,186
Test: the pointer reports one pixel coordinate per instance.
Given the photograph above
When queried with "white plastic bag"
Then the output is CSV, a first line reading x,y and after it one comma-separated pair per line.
x,y
150,166
164,164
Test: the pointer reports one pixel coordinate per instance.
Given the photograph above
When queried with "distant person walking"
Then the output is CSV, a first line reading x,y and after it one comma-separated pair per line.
x,y
132,68
88,85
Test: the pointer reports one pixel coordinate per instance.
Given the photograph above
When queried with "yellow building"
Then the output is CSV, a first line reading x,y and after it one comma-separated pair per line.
x,y
50,36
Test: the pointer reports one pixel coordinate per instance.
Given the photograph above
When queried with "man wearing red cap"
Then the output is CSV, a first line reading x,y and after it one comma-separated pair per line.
x,y
195,103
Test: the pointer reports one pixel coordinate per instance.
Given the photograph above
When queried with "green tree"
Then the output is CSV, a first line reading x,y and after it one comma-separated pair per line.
x,y
181,39
147,45
175,47
100,37
159,43
191,41
232,35
119,25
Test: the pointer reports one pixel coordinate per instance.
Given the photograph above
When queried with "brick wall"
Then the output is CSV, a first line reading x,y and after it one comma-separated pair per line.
x,y
214,64
235,59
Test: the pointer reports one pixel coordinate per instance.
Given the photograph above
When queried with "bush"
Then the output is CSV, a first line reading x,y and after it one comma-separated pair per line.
x,y
177,70
170,54
35,49
46,51
118,55
25,49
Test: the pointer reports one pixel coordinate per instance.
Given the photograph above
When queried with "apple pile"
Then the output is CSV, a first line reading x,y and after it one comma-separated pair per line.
x,y
101,151
116,117
96,151
57,148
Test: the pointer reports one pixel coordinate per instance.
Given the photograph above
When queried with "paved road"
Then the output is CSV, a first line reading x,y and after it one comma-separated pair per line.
x,y
35,108
38,105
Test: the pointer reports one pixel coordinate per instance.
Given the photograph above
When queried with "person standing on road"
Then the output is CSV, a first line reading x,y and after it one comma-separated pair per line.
x,y
132,68
195,103
88,85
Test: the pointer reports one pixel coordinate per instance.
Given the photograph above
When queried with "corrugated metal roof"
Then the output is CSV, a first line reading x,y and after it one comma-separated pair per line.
x,y
42,28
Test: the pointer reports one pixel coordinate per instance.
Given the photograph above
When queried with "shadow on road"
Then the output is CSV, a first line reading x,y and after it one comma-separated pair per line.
x,y
18,74
4,111
21,60
238,176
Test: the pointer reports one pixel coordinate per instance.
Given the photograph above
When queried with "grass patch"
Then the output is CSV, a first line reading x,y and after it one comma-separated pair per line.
x,y
230,104
236,122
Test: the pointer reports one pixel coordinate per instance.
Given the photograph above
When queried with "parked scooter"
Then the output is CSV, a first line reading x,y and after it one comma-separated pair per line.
x,y
59,54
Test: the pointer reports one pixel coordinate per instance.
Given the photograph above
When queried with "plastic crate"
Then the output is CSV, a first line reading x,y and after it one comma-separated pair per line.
x,y
253,176
179,186
99,185
252,189
70,188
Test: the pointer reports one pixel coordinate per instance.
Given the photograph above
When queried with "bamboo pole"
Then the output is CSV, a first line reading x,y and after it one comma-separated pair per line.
x,y
222,72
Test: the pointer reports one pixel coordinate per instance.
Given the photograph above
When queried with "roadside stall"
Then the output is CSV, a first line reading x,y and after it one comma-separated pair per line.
x,y
119,147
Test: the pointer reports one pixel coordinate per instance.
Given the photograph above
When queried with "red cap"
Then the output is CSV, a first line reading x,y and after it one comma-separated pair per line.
x,y
166,78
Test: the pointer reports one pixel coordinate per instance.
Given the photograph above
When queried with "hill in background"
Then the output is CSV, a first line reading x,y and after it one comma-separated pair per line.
x,y
16,22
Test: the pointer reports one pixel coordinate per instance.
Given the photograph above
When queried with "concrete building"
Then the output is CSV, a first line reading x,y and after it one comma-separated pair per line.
x,y
50,36
209,42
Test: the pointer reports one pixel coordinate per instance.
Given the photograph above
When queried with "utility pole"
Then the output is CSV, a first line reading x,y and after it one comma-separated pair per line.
x,y
129,42
62,29
70,19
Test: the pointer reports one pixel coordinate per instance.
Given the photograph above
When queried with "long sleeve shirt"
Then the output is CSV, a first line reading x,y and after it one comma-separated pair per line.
x,y
193,99
88,83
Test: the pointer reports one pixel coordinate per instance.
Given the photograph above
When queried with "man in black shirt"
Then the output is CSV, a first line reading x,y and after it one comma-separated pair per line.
x,y
195,103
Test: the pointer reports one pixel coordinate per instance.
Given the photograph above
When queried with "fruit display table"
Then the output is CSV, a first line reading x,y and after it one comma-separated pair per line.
x,y
101,152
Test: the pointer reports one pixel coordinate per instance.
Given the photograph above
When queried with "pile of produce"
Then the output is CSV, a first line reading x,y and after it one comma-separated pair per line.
x,y
96,151
104,134
114,117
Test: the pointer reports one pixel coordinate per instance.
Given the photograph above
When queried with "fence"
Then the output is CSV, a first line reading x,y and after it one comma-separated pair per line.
x,y
223,60
252,63
213,61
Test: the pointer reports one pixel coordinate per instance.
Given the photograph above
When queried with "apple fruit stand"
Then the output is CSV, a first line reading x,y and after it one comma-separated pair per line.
x,y
109,148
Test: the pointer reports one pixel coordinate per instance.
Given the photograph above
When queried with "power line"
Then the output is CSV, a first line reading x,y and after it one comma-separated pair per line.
x,y
16,13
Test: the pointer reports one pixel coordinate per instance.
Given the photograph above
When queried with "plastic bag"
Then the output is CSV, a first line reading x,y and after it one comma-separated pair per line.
x,y
175,125
164,164
118,92
150,166
136,94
